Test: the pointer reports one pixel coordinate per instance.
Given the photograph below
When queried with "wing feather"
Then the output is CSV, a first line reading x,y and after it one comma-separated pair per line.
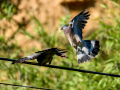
x,y
78,22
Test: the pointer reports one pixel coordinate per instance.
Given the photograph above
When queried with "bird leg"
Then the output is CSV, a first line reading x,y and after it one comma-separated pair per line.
x,y
50,60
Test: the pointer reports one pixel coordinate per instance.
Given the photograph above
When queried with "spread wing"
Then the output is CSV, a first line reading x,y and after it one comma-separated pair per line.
x,y
78,22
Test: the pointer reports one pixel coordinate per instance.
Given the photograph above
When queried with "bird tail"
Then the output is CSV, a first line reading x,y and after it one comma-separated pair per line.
x,y
20,60
89,50
93,46
30,57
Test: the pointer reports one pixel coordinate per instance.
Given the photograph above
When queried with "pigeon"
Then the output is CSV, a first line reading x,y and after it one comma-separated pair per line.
x,y
44,56
85,49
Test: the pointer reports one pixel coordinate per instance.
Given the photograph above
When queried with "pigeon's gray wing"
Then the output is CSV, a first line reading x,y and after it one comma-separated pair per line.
x,y
78,22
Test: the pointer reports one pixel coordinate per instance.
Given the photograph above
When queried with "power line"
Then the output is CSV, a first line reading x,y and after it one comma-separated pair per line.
x,y
64,68
25,86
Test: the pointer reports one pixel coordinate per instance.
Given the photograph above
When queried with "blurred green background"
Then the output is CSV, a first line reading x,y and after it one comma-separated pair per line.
x,y
107,61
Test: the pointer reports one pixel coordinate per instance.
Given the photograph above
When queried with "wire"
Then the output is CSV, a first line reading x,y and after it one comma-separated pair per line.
x,y
25,86
65,68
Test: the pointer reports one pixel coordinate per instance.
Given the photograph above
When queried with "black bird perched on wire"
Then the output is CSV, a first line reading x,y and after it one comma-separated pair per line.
x,y
44,56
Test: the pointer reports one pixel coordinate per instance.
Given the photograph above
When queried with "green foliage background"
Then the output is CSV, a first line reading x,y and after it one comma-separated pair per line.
x,y
107,61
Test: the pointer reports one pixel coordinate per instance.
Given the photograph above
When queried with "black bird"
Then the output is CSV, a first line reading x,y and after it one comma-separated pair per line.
x,y
44,56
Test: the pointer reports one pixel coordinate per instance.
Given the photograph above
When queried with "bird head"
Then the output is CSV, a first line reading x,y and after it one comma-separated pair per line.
x,y
63,27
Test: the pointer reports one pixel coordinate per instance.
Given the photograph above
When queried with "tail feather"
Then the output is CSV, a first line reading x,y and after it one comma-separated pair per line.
x,y
96,47
20,60
89,50
92,45
83,58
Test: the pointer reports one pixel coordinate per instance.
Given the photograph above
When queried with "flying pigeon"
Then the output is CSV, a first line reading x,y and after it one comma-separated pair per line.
x,y
44,56
85,49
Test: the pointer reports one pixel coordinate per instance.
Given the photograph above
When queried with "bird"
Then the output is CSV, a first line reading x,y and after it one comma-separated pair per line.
x,y
85,49
43,57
